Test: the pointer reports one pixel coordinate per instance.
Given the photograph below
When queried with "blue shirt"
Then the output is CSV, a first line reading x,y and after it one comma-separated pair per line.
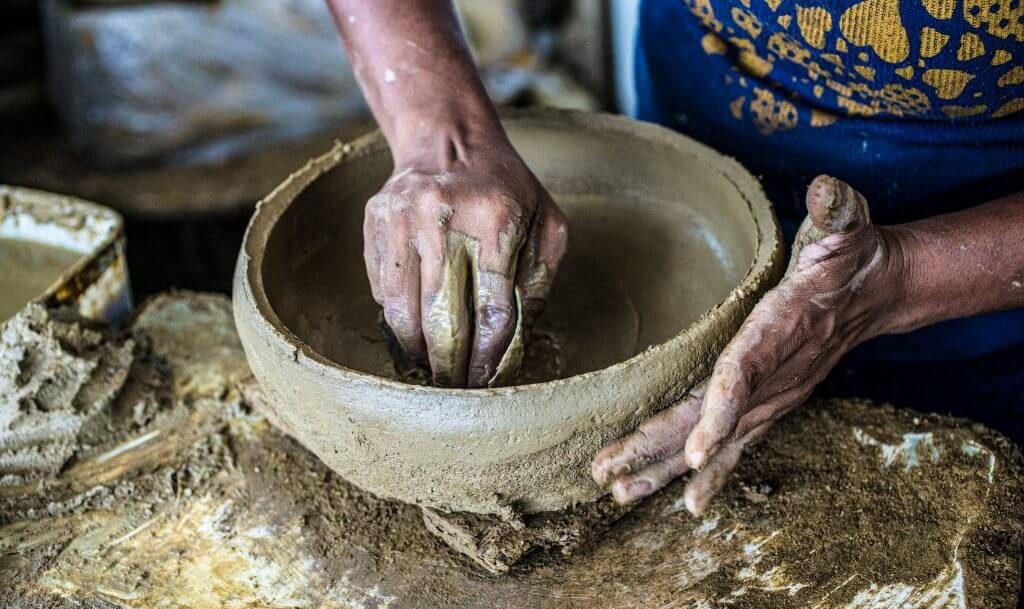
x,y
919,104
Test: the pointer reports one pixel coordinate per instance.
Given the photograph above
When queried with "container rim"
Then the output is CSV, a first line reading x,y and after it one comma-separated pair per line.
x,y
269,210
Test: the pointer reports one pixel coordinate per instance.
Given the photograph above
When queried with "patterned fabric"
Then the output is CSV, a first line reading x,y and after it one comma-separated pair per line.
x,y
917,103
931,89
931,59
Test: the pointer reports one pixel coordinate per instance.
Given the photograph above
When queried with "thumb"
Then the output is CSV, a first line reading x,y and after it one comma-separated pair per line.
x,y
833,208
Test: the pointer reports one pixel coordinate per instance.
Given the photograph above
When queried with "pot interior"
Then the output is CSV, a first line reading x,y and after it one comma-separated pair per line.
x,y
658,236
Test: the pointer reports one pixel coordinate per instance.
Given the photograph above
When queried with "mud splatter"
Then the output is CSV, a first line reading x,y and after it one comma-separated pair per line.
x,y
219,509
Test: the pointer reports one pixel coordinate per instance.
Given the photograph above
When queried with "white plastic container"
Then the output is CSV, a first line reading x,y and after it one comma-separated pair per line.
x,y
96,280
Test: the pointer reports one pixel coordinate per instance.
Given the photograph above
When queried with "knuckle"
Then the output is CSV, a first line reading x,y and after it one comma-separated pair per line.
x,y
401,317
729,366
502,218
495,320
506,205
375,208
437,208
389,205
558,226
432,196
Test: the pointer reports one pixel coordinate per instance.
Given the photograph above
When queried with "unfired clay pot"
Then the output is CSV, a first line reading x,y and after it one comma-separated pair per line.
x,y
671,244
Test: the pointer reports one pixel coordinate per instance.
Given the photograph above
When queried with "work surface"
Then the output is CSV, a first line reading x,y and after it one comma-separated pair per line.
x,y
198,502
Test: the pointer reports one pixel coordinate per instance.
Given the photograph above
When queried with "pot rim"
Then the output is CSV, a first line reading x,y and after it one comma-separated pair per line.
x,y
269,210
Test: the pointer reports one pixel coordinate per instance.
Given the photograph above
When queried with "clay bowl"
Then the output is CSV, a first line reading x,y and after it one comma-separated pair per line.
x,y
671,244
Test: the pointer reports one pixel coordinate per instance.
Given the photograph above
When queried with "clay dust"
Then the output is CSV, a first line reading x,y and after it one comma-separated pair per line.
x,y
844,505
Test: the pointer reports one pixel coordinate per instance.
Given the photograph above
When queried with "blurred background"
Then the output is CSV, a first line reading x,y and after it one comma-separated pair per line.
x,y
181,114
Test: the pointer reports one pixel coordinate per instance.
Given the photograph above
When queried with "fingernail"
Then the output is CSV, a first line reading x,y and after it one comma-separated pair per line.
x,y
639,488
695,459
620,470
694,505
630,492
698,458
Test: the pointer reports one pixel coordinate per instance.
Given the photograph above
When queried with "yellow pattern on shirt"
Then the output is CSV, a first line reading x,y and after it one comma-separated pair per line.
x,y
869,34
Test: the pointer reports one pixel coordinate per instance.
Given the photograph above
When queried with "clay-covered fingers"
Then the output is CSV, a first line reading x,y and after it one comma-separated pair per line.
x,y
445,301
631,488
725,401
837,218
748,364
494,322
393,267
541,256
835,206
469,301
659,437
373,247
460,238
493,259
705,483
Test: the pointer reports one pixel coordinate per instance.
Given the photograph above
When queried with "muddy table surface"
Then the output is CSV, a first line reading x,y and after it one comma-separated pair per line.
x,y
189,498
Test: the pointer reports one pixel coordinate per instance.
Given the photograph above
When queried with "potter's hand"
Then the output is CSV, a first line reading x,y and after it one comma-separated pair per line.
x,y
459,226
835,294
462,222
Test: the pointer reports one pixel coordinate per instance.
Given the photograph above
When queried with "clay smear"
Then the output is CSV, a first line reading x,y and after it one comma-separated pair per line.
x,y
845,505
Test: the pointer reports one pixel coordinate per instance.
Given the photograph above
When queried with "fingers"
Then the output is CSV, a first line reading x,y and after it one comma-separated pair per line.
x,y
835,214
393,267
443,255
834,206
495,321
634,487
541,256
660,436
401,295
728,391
374,247
446,330
631,487
705,483
494,300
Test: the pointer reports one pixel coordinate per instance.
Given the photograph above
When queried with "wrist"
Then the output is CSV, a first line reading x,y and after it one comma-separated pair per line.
x,y
435,135
897,312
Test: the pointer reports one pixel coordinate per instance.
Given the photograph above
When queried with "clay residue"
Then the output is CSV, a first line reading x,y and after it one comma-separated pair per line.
x,y
844,505
63,387
499,543
537,354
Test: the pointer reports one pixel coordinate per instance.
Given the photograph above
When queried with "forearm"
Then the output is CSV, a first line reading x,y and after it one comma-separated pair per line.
x,y
958,264
416,72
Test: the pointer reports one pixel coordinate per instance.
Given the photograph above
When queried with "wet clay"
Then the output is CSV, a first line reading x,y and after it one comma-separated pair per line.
x,y
76,395
616,280
498,544
671,246
845,505
27,270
